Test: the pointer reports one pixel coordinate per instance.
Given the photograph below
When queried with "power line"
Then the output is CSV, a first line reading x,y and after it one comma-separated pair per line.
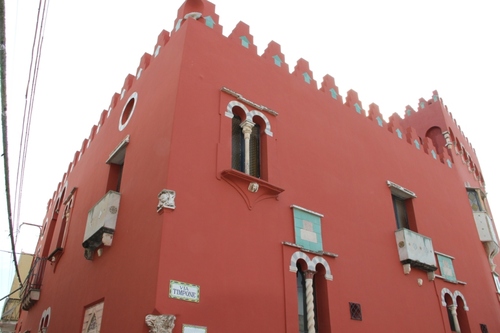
x,y
36,52
28,111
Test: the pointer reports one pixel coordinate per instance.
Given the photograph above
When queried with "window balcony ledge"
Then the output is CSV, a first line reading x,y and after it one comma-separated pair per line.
x,y
415,250
30,299
251,189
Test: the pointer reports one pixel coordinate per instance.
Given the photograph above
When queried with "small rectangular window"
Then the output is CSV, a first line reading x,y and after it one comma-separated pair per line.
x,y
65,221
403,206
400,212
484,328
116,161
475,200
355,309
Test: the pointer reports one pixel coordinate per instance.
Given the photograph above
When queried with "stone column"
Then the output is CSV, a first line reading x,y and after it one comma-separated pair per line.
x,y
453,310
311,324
247,126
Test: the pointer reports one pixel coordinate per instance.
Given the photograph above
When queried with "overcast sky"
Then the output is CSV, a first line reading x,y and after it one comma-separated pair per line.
x,y
391,52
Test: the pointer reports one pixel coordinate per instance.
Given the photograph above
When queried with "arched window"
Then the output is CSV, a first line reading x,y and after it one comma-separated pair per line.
x,y
246,146
463,320
302,275
311,277
438,140
457,311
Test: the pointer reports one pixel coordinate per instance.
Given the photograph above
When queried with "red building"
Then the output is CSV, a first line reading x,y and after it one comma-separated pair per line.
x,y
220,192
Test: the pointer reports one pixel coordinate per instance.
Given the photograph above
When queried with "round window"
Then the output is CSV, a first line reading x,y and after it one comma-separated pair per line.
x,y
128,111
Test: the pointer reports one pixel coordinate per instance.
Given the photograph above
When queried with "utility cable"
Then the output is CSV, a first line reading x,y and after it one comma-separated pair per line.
x,y
29,103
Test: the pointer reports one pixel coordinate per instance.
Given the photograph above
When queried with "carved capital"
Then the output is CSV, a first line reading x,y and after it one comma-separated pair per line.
x,y
309,274
160,323
247,126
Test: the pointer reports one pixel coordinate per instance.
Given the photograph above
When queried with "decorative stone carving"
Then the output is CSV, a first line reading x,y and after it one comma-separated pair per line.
x,y
492,250
166,200
253,187
160,323
449,143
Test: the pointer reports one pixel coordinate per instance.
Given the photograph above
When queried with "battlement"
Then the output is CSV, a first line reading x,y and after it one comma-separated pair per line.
x,y
444,141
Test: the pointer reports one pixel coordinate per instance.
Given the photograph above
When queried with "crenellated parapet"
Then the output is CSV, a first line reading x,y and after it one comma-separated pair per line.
x,y
433,120
274,55
329,87
352,101
200,10
143,65
375,115
440,137
241,35
303,72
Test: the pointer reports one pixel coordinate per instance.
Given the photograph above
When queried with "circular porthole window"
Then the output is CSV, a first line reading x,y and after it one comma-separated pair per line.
x,y
128,111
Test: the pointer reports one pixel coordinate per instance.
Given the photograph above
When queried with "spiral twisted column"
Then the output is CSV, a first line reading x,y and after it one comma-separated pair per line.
x,y
311,324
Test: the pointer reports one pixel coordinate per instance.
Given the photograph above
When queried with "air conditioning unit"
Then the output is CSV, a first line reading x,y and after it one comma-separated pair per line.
x,y
101,223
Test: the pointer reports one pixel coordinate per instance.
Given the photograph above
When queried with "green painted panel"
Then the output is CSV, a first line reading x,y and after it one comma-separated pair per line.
x,y
244,41
277,60
209,21
307,229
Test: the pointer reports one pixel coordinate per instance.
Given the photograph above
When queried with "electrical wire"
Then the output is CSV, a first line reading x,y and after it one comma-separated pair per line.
x,y
29,104
28,112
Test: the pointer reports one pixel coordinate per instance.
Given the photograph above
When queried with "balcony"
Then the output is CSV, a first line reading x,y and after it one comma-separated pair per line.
x,y
487,235
30,293
484,227
415,250
101,223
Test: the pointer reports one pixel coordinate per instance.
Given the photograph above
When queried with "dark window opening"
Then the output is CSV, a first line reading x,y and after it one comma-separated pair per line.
x,y
116,162
463,320
484,328
115,177
238,145
255,151
400,212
